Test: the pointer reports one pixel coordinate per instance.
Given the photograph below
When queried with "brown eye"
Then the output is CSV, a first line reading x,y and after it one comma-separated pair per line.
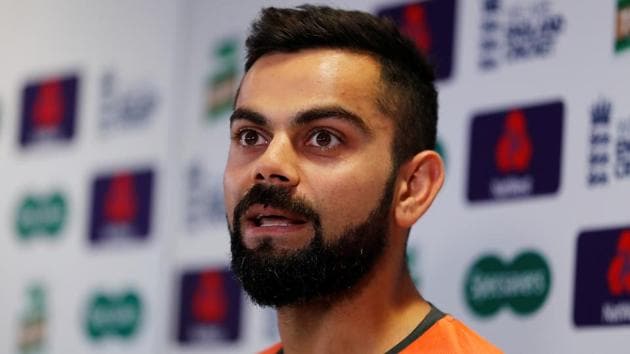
x,y
250,137
324,139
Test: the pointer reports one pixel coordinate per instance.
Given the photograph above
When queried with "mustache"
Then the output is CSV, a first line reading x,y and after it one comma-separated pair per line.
x,y
275,197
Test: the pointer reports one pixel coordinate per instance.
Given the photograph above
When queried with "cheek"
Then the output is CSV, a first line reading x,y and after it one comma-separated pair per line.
x,y
345,197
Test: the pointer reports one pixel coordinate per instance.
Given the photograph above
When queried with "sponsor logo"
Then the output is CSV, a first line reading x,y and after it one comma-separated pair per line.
x,y
622,29
515,31
127,107
222,82
209,307
523,285
430,25
599,156
49,110
622,150
111,315
121,206
602,278
204,198
604,164
516,153
32,323
41,215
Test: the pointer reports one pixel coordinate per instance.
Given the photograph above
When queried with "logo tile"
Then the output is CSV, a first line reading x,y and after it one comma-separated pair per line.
x,y
430,25
49,110
204,199
33,321
126,105
209,308
121,206
222,82
609,155
516,153
41,215
114,315
622,29
517,31
602,278
522,285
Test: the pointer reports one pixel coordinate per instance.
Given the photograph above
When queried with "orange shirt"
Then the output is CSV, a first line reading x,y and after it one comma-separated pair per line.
x,y
437,333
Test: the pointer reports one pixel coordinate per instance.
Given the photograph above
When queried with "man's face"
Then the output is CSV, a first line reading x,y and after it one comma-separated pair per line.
x,y
308,134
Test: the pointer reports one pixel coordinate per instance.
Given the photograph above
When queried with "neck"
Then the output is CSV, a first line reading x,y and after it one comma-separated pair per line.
x,y
380,312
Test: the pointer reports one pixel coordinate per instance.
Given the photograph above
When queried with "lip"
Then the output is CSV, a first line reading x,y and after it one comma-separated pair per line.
x,y
260,220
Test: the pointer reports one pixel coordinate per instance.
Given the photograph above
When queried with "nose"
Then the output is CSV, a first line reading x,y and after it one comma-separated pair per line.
x,y
278,164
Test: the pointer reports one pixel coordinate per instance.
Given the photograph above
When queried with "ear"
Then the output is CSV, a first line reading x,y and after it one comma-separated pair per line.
x,y
419,181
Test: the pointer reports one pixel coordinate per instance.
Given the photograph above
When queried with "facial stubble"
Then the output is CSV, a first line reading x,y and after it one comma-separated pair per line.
x,y
327,269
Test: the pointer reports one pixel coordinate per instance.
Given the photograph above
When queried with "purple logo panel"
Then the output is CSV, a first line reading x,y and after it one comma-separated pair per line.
x,y
209,307
121,206
49,110
516,153
602,278
431,26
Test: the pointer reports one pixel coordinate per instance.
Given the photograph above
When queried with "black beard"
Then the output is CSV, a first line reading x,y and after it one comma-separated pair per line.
x,y
321,271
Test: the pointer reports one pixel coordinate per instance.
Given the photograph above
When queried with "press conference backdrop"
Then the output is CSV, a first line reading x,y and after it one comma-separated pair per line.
x,y
113,138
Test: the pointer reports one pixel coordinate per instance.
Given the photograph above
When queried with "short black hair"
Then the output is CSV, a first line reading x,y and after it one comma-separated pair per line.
x,y
408,93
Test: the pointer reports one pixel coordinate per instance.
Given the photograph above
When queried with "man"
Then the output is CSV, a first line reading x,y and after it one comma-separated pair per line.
x,y
331,163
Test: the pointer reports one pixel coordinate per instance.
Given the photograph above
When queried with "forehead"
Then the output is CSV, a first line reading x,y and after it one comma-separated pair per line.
x,y
280,84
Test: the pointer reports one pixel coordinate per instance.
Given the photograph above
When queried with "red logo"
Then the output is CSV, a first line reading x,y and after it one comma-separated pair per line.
x,y
120,202
619,269
414,25
514,149
48,108
209,301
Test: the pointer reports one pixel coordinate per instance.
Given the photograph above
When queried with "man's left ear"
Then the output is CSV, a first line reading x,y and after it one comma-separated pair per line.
x,y
419,181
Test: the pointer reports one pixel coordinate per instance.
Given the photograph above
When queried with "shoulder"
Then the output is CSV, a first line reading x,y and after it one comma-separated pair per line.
x,y
451,336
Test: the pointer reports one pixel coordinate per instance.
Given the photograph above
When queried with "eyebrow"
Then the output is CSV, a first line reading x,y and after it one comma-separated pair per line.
x,y
305,117
249,115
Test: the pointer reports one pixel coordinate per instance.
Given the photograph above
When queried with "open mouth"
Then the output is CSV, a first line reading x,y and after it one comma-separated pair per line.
x,y
261,216
275,220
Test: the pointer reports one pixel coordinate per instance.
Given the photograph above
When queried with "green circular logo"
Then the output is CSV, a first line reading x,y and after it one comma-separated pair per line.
x,y
114,315
523,285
